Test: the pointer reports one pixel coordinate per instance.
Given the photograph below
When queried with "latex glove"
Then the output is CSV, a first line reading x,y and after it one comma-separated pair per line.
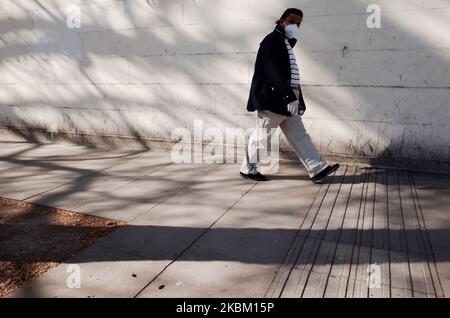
x,y
293,107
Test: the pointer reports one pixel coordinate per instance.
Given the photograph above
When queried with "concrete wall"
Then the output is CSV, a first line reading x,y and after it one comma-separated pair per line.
x,y
144,67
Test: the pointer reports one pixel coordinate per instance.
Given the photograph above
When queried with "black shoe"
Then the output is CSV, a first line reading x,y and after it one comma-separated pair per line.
x,y
326,172
255,177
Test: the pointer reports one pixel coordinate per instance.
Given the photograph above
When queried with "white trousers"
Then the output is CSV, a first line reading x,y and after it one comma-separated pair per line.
x,y
295,133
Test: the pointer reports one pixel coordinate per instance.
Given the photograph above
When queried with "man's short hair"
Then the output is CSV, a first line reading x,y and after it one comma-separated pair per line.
x,y
288,12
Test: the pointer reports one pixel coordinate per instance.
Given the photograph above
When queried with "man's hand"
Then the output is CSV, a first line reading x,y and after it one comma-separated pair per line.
x,y
293,107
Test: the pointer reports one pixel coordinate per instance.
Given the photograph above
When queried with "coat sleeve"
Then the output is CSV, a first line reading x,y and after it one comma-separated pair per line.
x,y
273,73
301,101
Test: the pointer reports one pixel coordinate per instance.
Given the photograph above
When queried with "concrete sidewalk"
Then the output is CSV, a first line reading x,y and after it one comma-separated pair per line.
x,y
199,230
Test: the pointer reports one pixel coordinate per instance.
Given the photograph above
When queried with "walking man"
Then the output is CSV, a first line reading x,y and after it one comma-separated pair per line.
x,y
276,96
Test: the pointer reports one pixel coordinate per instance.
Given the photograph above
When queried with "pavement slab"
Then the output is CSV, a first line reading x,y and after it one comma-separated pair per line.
x,y
200,230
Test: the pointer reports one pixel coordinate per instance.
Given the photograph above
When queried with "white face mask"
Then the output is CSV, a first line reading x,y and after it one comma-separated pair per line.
x,y
291,31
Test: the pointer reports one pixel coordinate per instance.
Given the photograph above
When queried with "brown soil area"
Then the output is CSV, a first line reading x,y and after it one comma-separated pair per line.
x,y
35,239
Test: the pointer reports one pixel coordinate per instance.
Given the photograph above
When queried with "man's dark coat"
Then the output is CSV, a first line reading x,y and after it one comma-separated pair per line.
x,y
270,88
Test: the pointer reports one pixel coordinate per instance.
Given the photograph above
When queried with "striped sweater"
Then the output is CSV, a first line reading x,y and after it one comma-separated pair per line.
x,y
295,73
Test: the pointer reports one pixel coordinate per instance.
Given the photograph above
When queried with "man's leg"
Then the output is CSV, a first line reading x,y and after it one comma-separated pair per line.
x,y
265,122
296,134
299,139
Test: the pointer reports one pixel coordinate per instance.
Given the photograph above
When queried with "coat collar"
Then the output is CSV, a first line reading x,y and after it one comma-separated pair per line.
x,y
280,30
